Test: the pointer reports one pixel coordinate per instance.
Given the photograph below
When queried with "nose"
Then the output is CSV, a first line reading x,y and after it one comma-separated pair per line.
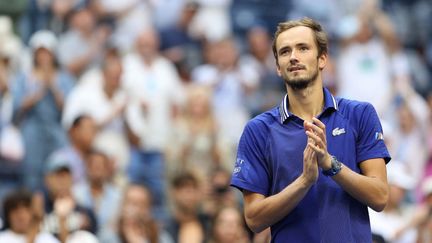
x,y
293,57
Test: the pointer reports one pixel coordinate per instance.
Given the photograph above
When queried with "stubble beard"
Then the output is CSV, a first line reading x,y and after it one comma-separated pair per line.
x,y
301,83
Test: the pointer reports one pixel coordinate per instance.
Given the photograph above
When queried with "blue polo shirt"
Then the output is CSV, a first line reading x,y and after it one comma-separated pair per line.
x,y
270,157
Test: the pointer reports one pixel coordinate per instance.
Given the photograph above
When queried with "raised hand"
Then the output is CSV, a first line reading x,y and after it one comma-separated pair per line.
x,y
310,165
316,132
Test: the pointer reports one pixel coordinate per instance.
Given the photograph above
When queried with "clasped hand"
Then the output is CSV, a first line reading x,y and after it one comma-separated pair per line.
x,y
315,154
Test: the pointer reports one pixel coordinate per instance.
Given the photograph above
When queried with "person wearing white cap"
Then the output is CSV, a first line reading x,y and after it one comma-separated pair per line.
x,y
421,220
398,211
38,102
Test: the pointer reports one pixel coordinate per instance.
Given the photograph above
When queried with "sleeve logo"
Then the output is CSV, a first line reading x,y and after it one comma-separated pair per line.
x,y
238,166
379,136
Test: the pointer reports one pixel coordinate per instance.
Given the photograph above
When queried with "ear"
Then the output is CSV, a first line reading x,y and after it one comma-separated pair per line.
x,y
322,61
279,73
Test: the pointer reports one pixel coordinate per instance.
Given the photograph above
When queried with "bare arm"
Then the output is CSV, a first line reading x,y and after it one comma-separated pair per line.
x,y
58,96
370,187
262,212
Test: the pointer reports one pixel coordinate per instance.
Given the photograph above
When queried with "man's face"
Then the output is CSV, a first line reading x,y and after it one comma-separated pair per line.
x,y
85,132
59,183
299,64
97,168
147,44
113,73
20,218
187,197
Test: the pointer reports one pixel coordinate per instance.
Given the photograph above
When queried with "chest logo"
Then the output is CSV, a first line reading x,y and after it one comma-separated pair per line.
x,y
338,131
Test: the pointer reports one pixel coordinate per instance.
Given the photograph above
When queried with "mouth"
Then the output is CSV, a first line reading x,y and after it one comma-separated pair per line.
x,y
295,68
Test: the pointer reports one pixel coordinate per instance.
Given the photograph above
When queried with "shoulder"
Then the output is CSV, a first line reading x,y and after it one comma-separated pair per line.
x,y
46,238
163,62
258,128
353,108
6,234
359,114
264,120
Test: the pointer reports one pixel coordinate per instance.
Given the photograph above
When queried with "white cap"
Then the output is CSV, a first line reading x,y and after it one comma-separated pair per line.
x,y
398,175
348,27
5,26
43,39
10,44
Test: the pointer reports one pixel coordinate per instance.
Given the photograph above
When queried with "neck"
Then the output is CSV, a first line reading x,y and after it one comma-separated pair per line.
x,y
96,188
79,149
148,59
109,91
185,215
306,103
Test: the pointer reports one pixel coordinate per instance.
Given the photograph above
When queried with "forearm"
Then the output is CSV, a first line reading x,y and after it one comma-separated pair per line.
x,y
63,229
261,214
369,190
58,97
30,101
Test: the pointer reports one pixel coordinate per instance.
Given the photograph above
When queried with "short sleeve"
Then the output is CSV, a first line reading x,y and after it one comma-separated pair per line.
x,y
370,143
251,170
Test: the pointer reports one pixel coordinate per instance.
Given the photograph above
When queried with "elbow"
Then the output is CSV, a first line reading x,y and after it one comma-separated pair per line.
x,y
380,202
254,225
378,207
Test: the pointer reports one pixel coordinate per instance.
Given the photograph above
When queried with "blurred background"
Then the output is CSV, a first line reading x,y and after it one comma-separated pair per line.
x,y
119,120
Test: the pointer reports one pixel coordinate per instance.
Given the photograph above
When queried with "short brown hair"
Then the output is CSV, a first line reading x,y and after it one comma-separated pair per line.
x,y
183,179
320,36
15,199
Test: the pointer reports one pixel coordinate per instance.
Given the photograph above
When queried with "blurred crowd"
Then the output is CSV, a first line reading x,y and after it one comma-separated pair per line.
x,y
119,120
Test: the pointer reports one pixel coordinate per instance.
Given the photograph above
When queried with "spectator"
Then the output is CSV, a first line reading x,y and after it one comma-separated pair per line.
x,y
214,13
154,84
38,102
364,62
105,100
229,226
136,223
196,144
408,139
130,17
80,46
99,194
23,215
64,216
219,194
259,56
231,83
398,211
60,10
11,143
11,47
187,223
178,45
81,136
420,220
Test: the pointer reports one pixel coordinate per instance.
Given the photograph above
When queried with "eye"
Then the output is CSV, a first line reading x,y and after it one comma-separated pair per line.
x,y
304,48
284,52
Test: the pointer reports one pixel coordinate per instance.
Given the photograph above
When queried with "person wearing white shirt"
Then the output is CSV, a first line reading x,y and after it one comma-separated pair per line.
x,y
155,86
22,220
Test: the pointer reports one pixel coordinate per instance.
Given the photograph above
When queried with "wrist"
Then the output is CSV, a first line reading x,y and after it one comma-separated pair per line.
x,y
327,165
335,168
305,181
